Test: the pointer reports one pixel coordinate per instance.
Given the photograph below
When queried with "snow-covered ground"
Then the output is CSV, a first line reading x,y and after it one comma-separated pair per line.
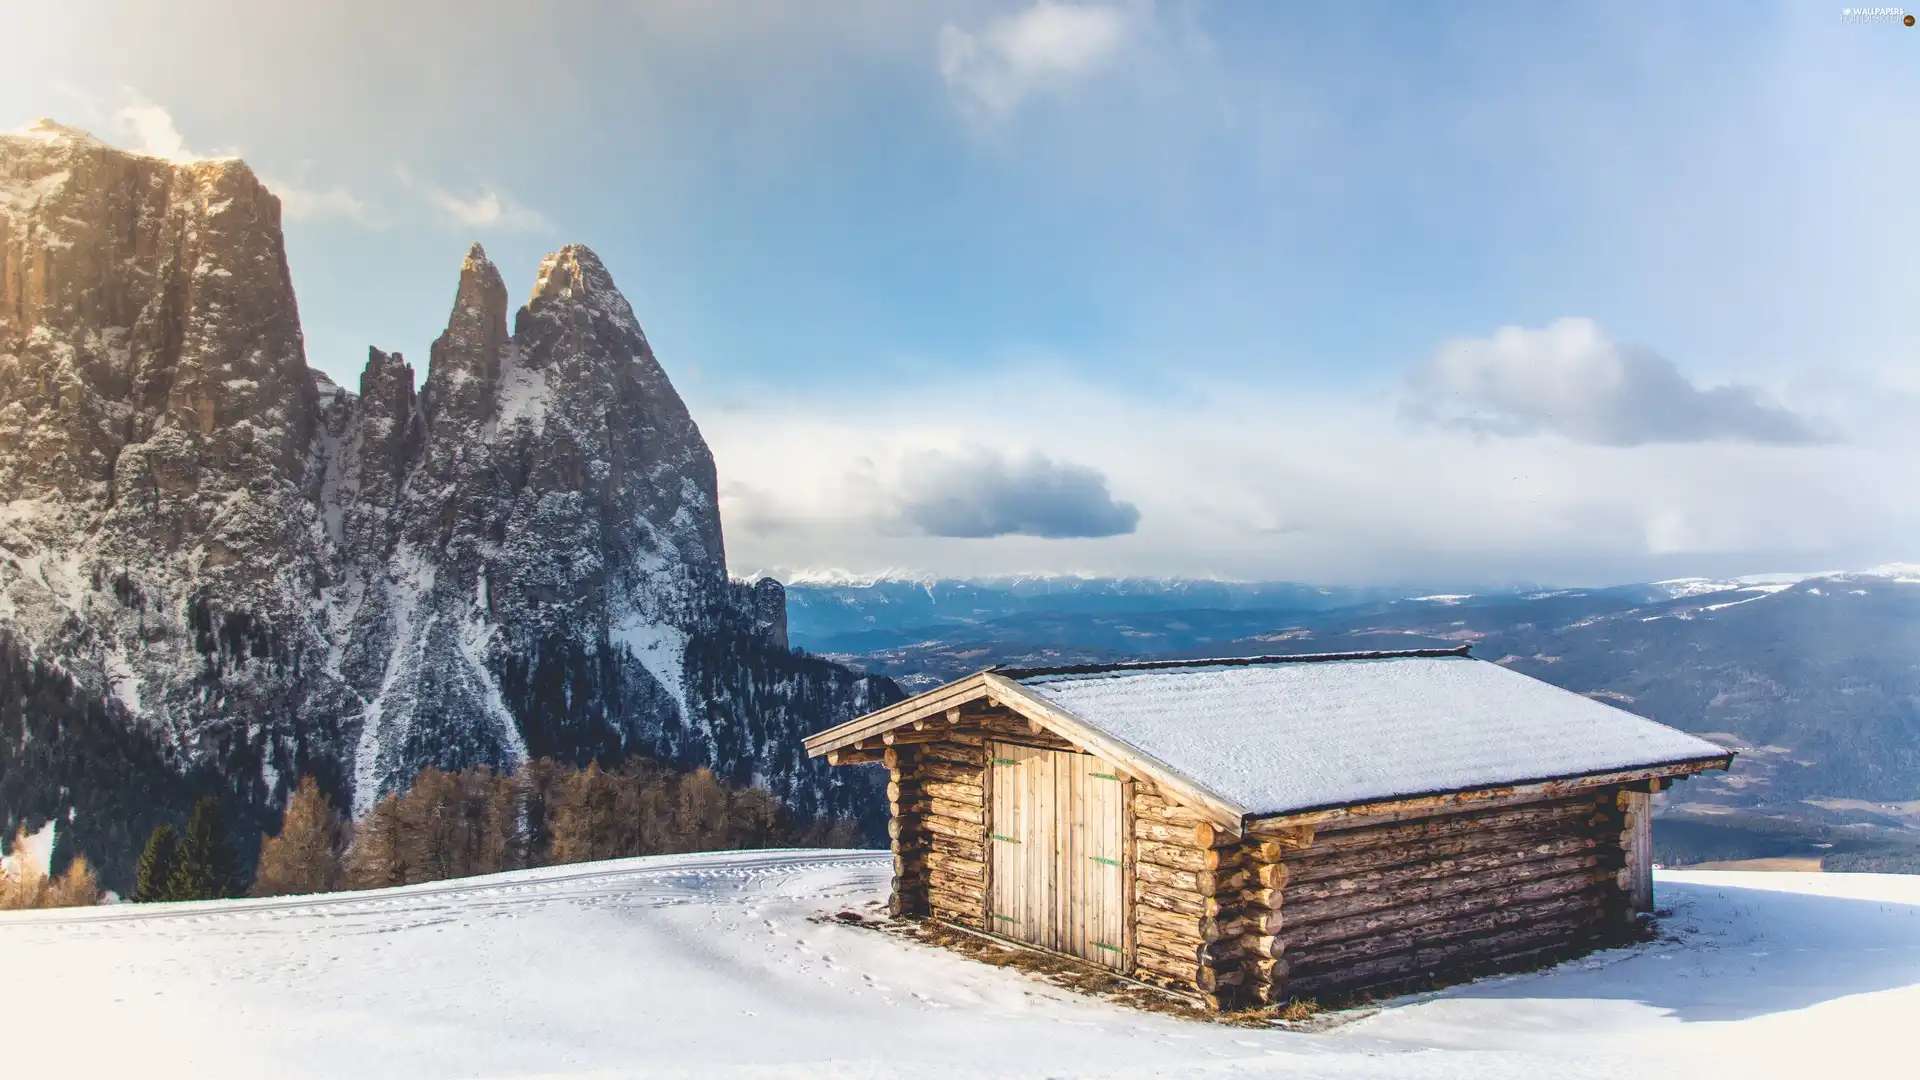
x,y
707,965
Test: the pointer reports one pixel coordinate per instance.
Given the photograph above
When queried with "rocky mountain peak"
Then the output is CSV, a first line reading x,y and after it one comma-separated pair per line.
x,y
46,129
275,578
463,370
572,273
574,276
482,295
148,332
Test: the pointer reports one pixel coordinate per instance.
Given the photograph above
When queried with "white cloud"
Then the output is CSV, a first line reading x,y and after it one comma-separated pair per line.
x,y
488,208
150,130
1044,48
310,204
1569,378
980,493
1255,481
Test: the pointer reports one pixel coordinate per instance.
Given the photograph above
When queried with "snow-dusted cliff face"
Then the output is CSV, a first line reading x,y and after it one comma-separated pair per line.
x,y
268,576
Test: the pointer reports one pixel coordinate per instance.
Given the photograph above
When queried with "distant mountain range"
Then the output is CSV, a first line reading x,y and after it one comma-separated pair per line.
x,y
839,612
1814,679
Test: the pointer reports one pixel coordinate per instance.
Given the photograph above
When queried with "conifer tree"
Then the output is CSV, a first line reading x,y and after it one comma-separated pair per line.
x,y
535,792
26,884
306,855
700,808
77,886
23,884
433,838
754,819
203,867
572,821
377,858
152,876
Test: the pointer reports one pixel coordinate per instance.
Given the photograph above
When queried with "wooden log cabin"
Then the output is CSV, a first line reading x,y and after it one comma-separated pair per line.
x,y
1252,831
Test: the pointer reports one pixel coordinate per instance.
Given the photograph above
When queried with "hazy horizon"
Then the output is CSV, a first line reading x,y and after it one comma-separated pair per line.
x,y
832,577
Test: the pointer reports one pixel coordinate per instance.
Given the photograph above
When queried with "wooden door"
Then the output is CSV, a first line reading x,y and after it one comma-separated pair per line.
x,y
1021,831
1059,879
1092,859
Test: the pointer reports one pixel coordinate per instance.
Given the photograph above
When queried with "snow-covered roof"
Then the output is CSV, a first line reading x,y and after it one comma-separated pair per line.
x,y
1282,735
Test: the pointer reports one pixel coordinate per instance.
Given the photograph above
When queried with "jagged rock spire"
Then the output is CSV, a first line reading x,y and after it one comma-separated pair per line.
x,y
574,273
391,432
463,370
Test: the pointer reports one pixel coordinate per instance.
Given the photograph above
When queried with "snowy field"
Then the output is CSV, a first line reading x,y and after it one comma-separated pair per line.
x,y
706,965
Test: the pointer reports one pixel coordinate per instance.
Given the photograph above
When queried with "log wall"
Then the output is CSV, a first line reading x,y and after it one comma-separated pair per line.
x,y
1366,904
1375,906
1197,901
938,781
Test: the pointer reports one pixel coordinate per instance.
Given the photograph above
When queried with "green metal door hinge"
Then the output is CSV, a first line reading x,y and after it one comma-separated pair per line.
x,y
1004,761
1109,862
1008,839
1104,776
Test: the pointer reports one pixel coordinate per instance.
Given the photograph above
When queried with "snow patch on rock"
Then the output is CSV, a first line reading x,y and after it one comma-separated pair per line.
x,y
662,650
524,392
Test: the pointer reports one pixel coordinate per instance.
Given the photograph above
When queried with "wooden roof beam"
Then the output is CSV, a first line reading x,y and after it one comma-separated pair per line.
x,y
1487,797
931,703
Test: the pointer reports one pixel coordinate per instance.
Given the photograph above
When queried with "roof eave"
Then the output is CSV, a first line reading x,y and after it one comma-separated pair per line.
x,y
1540,787
918,707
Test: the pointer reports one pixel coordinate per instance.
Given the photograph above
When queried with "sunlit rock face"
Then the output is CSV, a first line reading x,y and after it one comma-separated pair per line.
x,y
157,534
265,575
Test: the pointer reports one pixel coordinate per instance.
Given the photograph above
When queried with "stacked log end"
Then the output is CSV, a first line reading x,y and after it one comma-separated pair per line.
x,y
1636,846
1192,923
907,829
951,774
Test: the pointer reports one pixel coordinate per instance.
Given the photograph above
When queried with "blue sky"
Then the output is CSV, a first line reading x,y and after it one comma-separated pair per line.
x,y
1334,292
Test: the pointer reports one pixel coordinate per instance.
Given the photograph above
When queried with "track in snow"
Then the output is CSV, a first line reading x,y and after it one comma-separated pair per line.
x,y
653,879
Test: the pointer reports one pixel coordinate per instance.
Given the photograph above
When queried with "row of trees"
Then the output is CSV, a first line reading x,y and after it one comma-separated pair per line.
x,y
478,821
198,866
24,882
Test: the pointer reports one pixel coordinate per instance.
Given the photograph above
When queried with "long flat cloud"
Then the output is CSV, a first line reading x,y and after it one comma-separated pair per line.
x,y
980,493
1267,480
1570,379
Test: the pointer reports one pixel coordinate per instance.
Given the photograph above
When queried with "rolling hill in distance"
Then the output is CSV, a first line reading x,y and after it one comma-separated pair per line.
x,y
1813,678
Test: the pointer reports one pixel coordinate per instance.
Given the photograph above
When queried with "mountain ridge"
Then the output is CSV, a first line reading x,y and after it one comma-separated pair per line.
x,y
267,575
1811,676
